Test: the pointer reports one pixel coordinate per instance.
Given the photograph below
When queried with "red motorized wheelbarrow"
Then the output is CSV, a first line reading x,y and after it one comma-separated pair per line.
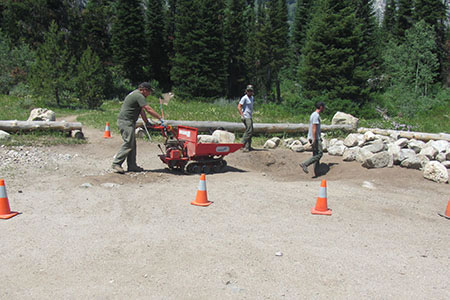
x,y
183,152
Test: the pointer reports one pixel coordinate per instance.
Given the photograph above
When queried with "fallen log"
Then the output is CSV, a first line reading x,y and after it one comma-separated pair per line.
x,y
207,126
423,136
14,125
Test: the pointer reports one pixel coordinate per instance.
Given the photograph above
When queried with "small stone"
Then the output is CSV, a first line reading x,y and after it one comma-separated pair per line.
x,y
279,253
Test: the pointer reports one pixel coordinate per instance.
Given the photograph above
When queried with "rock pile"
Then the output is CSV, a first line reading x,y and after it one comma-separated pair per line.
x,y
378,151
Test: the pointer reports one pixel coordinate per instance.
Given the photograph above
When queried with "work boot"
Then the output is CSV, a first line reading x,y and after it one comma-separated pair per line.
x,y
117,169
304,167
135,169
246,150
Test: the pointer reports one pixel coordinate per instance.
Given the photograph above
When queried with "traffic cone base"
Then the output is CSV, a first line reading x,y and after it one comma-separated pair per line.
x,y
321,207
447,212
107,134
5,212
201,198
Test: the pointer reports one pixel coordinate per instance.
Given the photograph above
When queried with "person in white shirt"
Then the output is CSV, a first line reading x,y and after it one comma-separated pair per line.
x,y
314,139
245,108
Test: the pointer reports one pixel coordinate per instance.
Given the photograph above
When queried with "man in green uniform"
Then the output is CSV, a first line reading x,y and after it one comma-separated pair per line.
x,y
133,106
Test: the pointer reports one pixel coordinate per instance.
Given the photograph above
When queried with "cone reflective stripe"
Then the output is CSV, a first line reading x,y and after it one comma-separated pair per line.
x,y
447,212
5,211
201,199
107,134
321,204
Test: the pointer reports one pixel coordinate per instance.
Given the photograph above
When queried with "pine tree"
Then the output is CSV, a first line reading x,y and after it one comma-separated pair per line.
x,y
235,35
95,28
433,12
302,18
404,17
128,40
156,33
51,74
278,40
199,63
89,74
331,68
390,17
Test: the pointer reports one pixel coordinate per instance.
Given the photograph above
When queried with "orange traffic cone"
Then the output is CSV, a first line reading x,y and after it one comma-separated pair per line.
x,y
447,212
201,199
321,204
5,212
107,134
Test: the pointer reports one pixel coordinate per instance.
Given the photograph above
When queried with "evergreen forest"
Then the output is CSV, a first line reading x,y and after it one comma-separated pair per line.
x,y
79,53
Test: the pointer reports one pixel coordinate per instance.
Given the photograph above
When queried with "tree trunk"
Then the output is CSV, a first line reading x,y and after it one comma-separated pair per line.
x,y
208,126
423,136
14,125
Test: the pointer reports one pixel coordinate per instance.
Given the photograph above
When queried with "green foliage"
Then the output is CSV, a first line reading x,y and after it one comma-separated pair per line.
x,y
15,63
413,65
404,17
332,68
235,35
128,40
158,46
90,75
199,64
51,74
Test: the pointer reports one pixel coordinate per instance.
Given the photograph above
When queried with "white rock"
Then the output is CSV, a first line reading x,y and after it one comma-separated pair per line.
x,y
277,140
270,144
337,150
288,142
343,118
435,171
446,164
402,155
440,157
204,138
412,163
363,155
303,140
402,142
377,160
369,136
440,145
368,185
140,132
374,146
4,135
351,140
416,145
350,154
423,160
224,137
429,151
42,114
297,148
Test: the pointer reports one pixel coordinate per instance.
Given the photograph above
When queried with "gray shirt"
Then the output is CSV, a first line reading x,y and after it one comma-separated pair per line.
x,y
314,119
247,106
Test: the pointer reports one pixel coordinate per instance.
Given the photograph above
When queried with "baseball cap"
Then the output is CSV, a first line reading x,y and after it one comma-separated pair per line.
x,y
146,85
249,87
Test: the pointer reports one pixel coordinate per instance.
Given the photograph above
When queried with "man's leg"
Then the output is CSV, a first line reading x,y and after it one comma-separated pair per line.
x,y
127,131
131,157
317,154
246,138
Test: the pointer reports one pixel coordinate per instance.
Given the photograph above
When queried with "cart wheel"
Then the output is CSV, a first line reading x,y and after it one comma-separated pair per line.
x,y
215,168
206,169
223,164
194,168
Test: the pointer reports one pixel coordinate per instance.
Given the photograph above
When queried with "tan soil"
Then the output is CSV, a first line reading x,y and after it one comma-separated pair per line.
x,y
137,236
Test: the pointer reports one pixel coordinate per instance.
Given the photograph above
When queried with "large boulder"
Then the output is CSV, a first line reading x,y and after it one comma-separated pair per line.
x,y
435,171
412,163
42,114
297,146
224,137
206,139
402,155
416,145
343,118
272,143
377,160
350,154
440,145
351,140
375,146
429,151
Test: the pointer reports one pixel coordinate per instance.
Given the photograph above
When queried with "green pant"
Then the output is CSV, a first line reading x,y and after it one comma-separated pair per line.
x,y
128,149
247,137
317,155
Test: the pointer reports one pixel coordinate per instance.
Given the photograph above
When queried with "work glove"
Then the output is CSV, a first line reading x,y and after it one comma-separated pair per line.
x,y
162,122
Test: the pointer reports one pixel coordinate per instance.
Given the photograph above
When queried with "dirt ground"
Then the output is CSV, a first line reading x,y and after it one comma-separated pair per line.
x,y
85,232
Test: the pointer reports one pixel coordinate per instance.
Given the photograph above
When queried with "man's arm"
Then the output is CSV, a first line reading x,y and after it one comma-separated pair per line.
x,y
151,111
314,133
240,110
